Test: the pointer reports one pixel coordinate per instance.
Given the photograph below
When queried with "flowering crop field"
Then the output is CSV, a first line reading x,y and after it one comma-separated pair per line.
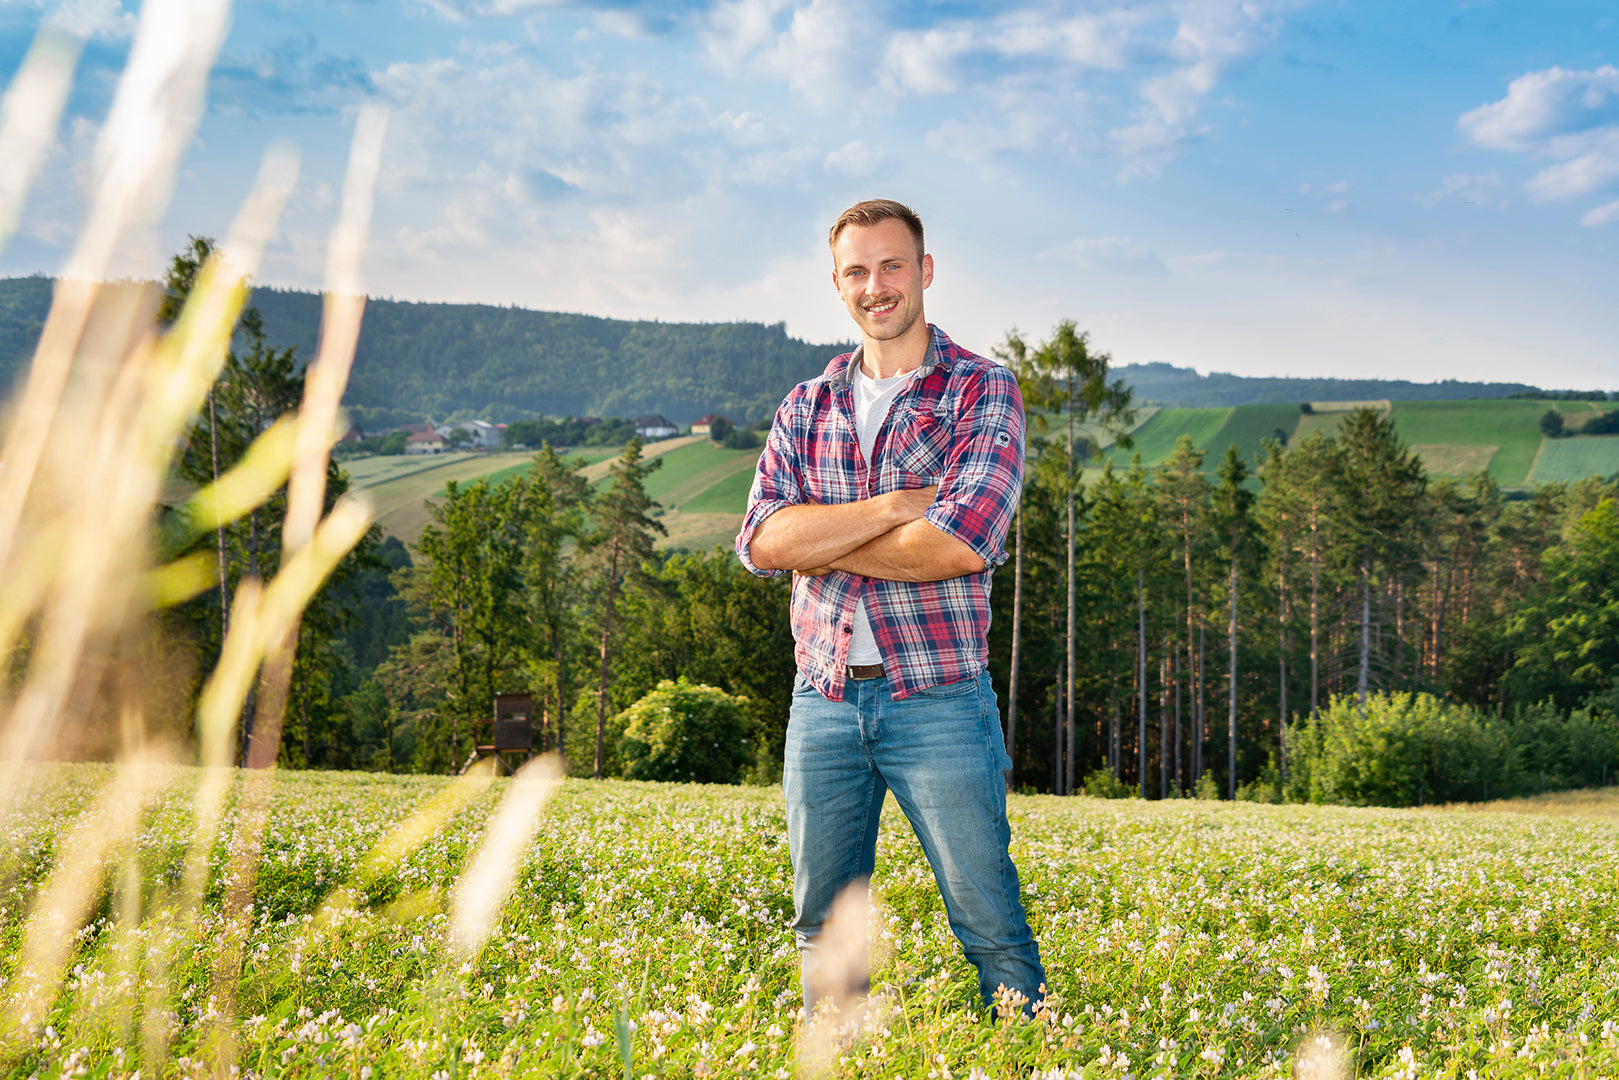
x,y
647,934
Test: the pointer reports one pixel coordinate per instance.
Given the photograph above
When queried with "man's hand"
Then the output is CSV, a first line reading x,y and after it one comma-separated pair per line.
x,y
810,537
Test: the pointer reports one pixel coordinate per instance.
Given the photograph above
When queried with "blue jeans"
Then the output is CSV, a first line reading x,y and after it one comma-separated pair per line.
x,y
941,753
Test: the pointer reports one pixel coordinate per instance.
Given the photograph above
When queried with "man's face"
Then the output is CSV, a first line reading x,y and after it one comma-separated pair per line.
x,y
878,273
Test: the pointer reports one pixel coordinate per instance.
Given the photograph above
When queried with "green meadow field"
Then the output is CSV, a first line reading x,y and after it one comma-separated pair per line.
x,y
1453,438
646,935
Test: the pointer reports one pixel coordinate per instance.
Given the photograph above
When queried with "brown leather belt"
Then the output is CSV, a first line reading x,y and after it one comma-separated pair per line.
x,y
861,672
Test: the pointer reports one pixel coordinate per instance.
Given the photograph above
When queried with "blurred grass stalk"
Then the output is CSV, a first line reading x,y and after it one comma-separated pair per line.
x,y
89,442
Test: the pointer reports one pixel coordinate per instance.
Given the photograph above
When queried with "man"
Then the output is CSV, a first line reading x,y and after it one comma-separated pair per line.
x,y
887,485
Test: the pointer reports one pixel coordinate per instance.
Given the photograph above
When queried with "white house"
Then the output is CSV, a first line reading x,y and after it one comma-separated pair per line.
x,y
424,442
653,427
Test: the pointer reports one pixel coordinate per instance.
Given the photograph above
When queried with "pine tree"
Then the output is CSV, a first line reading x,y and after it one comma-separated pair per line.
x,y
1063,376
619,544
1183,503
1233,523
1381,485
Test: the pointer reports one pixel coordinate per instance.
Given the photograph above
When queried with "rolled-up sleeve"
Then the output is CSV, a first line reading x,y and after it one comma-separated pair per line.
x,y
777,482
983,476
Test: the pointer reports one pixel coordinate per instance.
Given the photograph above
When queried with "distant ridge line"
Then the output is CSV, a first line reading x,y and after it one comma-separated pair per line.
x,y
1165,384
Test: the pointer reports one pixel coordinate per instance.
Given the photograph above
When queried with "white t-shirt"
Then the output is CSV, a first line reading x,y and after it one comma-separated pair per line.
x,y
872,397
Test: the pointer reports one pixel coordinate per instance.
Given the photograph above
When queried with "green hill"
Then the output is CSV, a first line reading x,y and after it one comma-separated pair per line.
x,y
1453,438
428,360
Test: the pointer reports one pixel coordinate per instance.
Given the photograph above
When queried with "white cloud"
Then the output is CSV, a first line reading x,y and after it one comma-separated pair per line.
x,y
1483,190
926,62
854,159
1110,254
1209,39
1568,117
1172,55
1589,172
737,29
94,20
1544,105
1606,214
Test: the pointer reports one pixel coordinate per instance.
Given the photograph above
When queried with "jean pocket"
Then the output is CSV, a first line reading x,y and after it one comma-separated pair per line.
x,y
949,691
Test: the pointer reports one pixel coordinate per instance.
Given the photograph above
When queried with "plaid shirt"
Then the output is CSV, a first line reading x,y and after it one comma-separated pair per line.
x,y
959,424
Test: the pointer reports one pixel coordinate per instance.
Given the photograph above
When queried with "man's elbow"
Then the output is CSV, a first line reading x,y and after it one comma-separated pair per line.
x,y
966,561
762,555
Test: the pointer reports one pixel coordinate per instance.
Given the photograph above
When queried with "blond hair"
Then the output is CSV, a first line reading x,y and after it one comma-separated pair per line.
x,y
872,211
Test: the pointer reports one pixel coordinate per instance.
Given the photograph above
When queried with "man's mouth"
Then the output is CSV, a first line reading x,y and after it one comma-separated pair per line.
x,y
882,307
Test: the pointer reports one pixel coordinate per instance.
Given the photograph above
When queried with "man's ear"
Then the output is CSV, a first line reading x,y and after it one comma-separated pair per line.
x,y
927,271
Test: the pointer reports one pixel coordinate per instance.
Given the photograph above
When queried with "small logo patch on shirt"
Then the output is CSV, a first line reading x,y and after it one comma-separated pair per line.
x,y
1003,438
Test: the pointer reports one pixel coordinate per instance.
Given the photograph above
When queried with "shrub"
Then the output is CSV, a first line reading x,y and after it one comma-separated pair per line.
x,y
1407,750
685,731
1207,787
1102,784
1264,788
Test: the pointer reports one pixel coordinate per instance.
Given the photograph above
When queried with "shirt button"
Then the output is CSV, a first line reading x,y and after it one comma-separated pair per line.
x,y
848,629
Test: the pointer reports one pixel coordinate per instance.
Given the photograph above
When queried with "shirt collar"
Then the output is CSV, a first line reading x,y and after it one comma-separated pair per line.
x,y
939,355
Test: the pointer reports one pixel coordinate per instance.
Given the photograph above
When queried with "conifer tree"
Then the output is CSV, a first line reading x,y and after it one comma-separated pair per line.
x,y
619,544
1381,486
1233,503
1063,376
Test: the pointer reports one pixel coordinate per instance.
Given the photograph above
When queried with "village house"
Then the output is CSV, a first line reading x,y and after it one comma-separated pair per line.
x,y
653,427
424,442
706,424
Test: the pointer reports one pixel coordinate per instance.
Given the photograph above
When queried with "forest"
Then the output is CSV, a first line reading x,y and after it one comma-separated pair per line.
x,y
1324,623
418,362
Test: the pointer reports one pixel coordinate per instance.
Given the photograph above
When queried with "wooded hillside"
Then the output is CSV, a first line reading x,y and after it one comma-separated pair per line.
x,y
504,363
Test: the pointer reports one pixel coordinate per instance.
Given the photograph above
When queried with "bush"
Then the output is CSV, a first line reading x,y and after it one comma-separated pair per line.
x,y
684,731
1102,784
1207,787
1559,752
1408,750
1264,788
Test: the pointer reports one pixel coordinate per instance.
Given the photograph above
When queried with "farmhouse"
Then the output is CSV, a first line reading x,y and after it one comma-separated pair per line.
x,y
424,442
653,427
706,424
482,434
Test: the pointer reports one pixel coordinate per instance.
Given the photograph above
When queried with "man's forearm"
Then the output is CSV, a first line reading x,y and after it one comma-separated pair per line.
x,y
812,535
917,551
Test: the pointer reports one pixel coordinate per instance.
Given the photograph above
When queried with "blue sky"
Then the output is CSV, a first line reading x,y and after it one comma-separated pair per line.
x,y
1396,190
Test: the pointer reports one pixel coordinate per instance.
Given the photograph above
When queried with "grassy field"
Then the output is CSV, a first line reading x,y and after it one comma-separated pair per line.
x,y
1575,458
1512,427
647,935
398,486
1453,438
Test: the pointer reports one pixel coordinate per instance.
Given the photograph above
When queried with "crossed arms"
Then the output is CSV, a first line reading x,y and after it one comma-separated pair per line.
x,y
884,536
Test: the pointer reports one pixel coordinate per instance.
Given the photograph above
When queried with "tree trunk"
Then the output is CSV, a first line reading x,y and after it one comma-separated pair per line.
x,y
1017,639
1315,628
1056,737
1163,720
1072,628
1141,670
1231,697
1363,675
1175,679
601,683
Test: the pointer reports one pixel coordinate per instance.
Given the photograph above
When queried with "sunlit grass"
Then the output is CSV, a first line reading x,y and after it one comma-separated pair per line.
x,y
1182,939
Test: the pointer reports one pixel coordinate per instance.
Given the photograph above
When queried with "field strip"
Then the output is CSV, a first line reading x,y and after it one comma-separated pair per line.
x,y
701,482
598,472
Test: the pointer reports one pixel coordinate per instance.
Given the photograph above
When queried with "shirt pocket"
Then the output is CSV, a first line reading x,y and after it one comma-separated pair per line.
x,y
921,447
